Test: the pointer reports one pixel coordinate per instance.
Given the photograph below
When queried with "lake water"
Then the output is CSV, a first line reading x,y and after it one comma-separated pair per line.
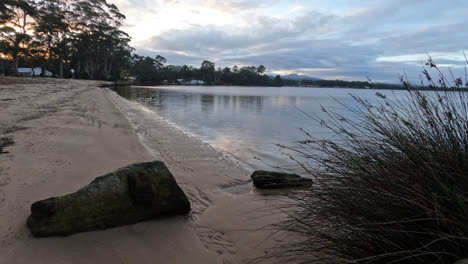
x,y
246,122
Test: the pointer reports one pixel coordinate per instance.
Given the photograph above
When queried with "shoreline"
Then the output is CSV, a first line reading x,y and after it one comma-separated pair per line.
x,y
224,193
244,165
67,132
414,89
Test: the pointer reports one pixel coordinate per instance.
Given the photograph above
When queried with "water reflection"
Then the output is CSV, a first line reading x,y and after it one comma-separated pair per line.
x,y
285,100
244,121
207,103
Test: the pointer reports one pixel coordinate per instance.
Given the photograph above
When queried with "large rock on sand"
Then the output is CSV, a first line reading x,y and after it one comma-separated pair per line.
x,y
274,180
135,193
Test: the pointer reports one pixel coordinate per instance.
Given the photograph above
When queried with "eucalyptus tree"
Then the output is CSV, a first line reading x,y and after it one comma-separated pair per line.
x,y
6,11
144,68
100,48
159,62
261,69
15,30
207,70
150,70
52,32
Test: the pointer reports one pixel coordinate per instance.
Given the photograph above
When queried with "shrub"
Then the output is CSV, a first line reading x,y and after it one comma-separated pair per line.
x,y
391,186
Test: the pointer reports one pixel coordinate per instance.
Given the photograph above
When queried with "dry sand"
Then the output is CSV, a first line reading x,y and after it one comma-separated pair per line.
x,y
67,132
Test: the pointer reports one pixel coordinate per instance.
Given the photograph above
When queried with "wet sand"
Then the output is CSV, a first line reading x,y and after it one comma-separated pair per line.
x,y
67,132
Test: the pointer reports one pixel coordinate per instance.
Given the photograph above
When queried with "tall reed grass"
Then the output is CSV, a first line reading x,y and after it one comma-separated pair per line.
x,y
391,186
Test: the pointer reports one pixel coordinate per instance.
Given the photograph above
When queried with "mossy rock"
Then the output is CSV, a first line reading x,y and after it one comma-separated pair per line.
x,y
129,195
275,180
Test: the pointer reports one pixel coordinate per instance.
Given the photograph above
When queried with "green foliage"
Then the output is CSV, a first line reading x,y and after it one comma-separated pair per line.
x,y
83,35
101,50
51,34
6,11
278,80
207,70
261,69
14,38
343,84
152,71
147,69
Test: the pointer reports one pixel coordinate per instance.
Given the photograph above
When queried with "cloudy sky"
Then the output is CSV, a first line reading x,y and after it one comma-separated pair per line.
x,y
334,39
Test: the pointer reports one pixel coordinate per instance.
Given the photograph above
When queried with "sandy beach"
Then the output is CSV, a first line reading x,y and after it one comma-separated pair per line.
x,y
67,132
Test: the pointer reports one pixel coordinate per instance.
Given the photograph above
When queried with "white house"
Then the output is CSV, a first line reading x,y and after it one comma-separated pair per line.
x,y
195,82
192,82
29,72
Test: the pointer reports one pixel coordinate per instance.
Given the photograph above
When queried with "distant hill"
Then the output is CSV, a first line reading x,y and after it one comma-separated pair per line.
x,y
298,77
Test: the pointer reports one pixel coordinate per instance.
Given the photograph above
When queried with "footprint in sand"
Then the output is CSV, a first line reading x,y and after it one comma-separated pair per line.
x,y
230,259
4,178
4,181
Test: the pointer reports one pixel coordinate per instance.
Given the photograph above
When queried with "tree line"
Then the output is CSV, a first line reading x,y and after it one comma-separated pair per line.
x,y
82,39
149,70
343,84
61,36
152,71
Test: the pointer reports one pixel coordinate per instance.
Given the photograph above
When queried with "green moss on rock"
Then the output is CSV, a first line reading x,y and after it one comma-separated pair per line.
x,y
129,195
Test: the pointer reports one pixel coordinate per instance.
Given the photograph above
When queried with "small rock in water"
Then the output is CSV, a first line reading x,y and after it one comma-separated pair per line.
x,y
129,195
274,180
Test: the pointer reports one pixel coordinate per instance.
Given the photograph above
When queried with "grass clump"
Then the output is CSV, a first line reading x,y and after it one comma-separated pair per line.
x,y
391,186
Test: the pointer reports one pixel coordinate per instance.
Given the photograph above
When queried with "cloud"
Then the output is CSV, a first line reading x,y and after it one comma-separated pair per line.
x,y
444,38
349,39
263,34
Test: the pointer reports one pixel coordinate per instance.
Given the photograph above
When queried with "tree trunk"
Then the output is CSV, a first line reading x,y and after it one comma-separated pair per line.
x,y
78,69
105,70
15,64
110,68
44,58
2,67
90,69
61,68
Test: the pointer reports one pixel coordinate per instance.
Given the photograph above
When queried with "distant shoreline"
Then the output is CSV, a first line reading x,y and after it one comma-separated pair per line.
x,y
324,87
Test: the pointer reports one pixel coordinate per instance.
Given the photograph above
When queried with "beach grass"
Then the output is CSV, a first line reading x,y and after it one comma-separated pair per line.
x,y
391,185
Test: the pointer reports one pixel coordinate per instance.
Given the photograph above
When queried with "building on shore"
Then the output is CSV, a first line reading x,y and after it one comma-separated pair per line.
x,y
191,82
30,72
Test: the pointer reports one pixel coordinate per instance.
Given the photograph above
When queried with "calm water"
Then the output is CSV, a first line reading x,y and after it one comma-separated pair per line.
x,y
245,122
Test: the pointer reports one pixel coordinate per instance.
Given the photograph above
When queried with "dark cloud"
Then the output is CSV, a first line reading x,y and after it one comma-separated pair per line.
x,y
444,38
352,45
264,34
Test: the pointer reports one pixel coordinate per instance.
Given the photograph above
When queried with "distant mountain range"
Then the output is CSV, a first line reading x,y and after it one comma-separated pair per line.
x,y
298,77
